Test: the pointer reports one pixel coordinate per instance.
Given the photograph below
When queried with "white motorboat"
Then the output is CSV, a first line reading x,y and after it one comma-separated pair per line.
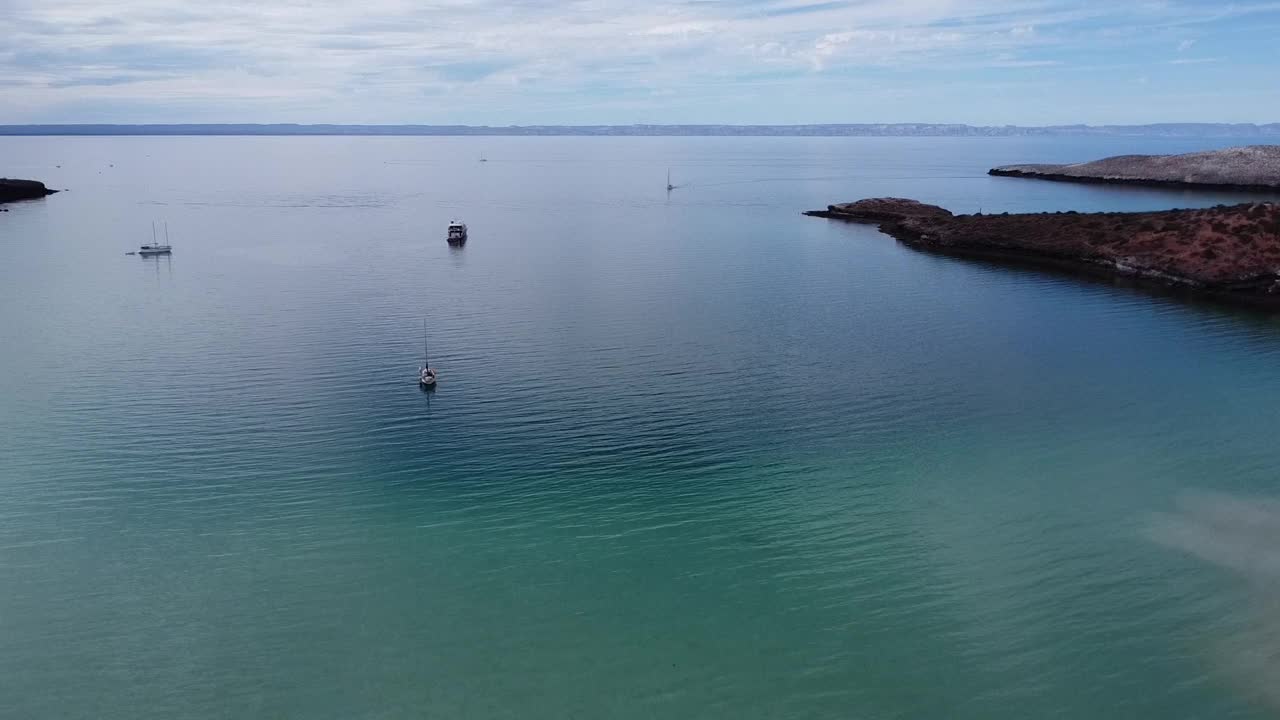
x,y
457,233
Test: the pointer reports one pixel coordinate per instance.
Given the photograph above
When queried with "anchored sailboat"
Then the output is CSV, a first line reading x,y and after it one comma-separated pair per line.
x,y
156,248
670,187
426,375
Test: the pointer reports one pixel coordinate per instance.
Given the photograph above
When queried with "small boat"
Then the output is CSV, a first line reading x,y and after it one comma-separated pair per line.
x,y
670,187
457,233
426,375
157,248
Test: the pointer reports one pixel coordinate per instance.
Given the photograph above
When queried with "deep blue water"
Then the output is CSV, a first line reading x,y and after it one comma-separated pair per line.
x,y
691,455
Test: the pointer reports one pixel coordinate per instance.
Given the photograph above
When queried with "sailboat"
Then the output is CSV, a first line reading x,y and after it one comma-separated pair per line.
x,y
670,187
155,248
426,375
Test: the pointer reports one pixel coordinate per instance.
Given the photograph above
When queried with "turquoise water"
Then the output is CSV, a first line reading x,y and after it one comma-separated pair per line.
x,y
691,455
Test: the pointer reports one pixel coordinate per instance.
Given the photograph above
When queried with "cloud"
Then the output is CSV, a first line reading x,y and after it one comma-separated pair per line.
x,y
682,29
807,9
1016,63
304,61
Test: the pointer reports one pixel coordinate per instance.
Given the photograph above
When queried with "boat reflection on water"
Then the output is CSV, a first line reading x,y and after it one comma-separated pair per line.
x,y
165,260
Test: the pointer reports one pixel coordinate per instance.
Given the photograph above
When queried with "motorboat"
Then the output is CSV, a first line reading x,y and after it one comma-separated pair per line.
x,y
457,233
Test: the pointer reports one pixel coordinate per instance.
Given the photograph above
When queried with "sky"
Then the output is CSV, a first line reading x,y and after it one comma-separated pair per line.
x,y
508,62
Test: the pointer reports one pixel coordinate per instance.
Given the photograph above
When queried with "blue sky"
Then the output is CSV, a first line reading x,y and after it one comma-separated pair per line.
x,y
499,62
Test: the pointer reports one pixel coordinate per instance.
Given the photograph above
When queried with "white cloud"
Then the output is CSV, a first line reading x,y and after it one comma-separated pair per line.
x,y
683,29
311,61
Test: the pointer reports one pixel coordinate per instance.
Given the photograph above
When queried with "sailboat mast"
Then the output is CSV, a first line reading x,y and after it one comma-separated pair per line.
x,y
426,363
166,232
153,232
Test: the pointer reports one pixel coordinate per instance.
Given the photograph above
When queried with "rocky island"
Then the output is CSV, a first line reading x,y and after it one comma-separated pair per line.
x,y
1226,252
11,190
1254,168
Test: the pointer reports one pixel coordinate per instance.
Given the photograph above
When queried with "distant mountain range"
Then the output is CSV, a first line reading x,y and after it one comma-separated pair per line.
x,y
1246,130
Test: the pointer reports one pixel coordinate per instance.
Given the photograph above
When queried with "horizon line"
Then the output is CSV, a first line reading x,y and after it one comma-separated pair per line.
x,y
644,129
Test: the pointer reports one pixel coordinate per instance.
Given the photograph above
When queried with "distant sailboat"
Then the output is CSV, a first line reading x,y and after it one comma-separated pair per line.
x,y
426,375
670,187
156,248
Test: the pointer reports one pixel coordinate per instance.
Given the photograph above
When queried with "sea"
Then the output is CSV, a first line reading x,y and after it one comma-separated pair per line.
x,y
691,453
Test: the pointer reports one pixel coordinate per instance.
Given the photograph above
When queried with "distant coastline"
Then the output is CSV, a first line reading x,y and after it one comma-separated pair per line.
x,y
1237,130
1254,168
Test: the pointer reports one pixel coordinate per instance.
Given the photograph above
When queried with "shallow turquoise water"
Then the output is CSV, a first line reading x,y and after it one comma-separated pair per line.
x,y
691,455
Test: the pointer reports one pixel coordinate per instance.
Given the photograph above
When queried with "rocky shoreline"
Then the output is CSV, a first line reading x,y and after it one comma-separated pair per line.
x,y
1254,168
1230,253
11,190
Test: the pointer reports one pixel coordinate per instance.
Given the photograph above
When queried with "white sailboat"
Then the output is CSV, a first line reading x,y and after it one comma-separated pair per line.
x,y
426,375
670,187
156,248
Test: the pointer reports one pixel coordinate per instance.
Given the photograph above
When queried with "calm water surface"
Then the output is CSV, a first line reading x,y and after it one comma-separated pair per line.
x,y
691,455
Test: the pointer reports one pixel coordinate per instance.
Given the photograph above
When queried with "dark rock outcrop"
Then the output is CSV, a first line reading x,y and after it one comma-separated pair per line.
x,y
1253,168
11,190
1228,252
882,210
